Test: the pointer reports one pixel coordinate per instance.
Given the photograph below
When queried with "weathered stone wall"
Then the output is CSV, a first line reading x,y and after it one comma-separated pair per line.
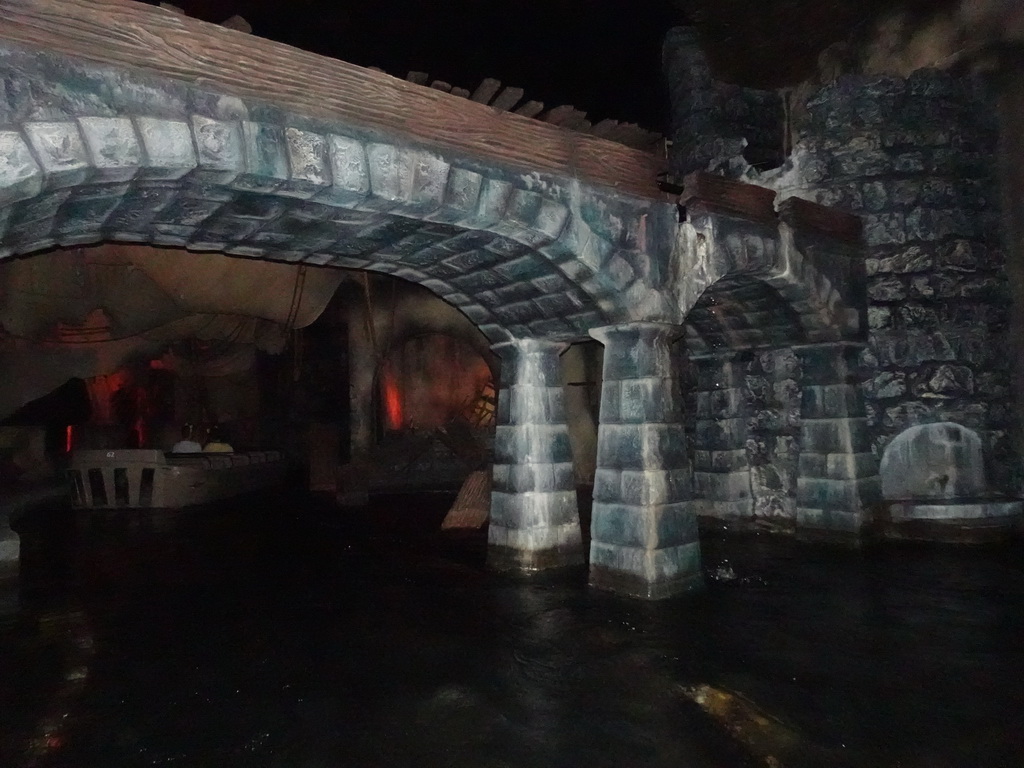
x,y
915,158
717,126
746,437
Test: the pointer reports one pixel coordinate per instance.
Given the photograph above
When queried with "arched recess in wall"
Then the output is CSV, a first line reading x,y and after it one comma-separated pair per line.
x,y
743,402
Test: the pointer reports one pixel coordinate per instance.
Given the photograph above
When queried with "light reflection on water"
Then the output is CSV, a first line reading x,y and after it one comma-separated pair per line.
x,y
258,638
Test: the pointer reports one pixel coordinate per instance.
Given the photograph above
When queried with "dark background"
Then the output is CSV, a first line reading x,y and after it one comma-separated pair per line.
x,y
601,56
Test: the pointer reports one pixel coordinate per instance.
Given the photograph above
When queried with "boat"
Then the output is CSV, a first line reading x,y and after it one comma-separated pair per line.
x,y
152,479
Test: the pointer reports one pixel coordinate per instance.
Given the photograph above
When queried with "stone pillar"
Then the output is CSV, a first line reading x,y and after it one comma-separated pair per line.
x,y
837,482
535,522
644,529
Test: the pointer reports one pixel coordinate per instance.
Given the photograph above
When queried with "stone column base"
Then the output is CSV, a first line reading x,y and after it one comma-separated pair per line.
x,y
567,555
633,586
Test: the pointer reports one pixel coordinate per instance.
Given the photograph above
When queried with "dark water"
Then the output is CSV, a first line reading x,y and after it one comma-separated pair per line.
x,y
265,637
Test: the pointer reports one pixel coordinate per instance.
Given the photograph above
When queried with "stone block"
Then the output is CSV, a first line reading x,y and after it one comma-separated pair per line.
x,y
266,158
462,193
560,304
647,574
113,147
531,404
828,494
851,466
611,397
530,363
721,461
534,509
84,214
551,219
720,434
719,509
641,446
168,151
533,549
220,149
492,203
637,351
517,478
521,269
839,435
532,444
654,486
885,229
813,464
722,486
647,527
649,400
429,179
308,161
828,401
889,288
20,174
60,152
728,402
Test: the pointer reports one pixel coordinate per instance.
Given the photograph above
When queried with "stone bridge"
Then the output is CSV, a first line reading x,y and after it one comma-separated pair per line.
x,y
119,121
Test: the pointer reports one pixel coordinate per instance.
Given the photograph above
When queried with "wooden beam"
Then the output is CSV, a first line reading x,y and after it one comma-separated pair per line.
x,y
486,90
804,215
530,109
703,189
162,44
507,99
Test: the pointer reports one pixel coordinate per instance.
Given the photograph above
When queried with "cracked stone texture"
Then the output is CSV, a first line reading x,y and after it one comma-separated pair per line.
x,y
915,158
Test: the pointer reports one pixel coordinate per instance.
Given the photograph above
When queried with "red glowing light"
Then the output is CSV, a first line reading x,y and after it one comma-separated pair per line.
x,y
69,438
392,398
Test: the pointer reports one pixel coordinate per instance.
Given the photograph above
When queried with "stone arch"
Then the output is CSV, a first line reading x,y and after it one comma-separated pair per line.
x,y
780,436
776,292
519,262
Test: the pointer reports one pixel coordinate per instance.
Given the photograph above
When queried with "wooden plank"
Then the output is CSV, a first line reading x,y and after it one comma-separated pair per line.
x,y
530,109
238,24
576,121
486,90
166,45
507,99
803,215
604,128
556,115
726,196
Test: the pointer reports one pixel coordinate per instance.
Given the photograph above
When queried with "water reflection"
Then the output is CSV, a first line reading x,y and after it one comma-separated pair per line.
x,y
261,638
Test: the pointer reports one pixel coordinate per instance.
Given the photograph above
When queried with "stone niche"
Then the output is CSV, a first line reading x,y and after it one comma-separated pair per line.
x,y
934,484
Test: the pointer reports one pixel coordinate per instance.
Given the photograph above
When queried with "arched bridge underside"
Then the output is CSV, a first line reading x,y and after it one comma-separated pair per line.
x,y
120,121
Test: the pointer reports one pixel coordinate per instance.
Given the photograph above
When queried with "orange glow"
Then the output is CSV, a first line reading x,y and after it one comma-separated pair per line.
x,y
430,380
392,398
69,438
